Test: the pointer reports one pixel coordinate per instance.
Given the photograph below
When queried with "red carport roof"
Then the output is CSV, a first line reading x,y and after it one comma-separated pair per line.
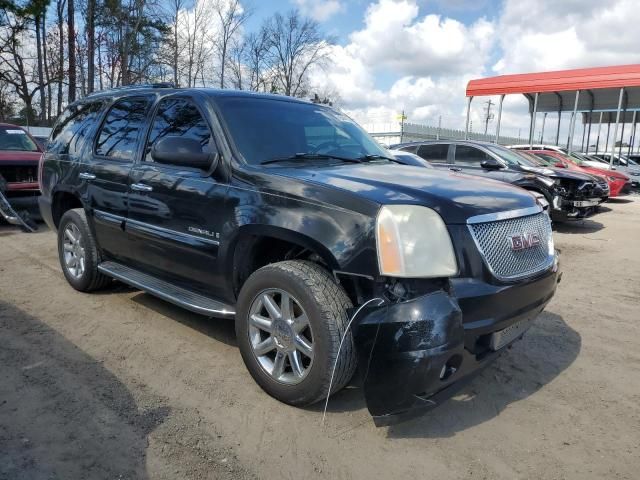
x,y
559,81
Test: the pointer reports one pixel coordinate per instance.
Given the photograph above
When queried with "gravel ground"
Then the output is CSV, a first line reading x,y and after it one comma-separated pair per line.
x,y
120,385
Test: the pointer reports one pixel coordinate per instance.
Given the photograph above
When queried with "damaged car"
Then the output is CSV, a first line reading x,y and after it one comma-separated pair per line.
x,y
19,190
570,195
338,264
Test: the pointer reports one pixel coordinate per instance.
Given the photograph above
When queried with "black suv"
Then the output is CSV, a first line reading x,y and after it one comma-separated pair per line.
x,y
287,216
571,195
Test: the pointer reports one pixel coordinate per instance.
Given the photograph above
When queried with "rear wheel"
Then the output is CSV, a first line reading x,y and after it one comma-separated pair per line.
x,y
78,252
290,320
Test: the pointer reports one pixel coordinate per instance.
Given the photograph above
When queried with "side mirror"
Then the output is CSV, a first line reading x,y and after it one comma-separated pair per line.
x,y
560,165
491,164
183,152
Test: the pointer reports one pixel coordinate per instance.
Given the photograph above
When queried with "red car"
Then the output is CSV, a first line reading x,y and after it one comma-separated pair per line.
x,y
619,183
19,157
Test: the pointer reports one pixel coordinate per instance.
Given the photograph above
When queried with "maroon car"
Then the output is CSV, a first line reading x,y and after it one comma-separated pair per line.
x,y
19,190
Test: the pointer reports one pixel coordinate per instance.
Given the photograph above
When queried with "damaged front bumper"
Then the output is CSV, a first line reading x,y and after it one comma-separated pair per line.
x,y
416,354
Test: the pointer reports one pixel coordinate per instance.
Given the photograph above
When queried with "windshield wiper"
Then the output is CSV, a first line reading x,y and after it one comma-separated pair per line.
x,y
370,157
310,156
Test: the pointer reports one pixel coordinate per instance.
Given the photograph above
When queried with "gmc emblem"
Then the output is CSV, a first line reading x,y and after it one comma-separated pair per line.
x,y
523,241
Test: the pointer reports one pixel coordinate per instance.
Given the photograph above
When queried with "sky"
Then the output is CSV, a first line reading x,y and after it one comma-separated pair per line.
x,y
418,55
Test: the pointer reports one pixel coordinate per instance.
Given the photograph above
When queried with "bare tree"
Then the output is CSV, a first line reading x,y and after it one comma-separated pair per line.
x,y
71,48
231,15
60,7
295,45
255,52
91,43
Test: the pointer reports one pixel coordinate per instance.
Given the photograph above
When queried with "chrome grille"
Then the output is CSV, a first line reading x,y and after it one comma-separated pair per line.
x,y
493,241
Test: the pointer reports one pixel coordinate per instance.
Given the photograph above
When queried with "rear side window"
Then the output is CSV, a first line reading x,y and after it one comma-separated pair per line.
x,y
410,149
178,117
470,156
120,133
73,127
434,153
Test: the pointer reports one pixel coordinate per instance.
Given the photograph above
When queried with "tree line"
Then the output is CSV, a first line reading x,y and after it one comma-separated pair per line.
x,y
53,52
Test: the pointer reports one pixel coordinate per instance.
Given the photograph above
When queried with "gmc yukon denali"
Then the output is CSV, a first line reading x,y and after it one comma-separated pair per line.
x,y
288,217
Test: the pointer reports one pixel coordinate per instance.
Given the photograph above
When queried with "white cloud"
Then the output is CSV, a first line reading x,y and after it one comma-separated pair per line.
x,y
320,10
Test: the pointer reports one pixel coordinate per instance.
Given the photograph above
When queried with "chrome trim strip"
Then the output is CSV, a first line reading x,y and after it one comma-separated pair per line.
x,y
146,227
108,217
492,217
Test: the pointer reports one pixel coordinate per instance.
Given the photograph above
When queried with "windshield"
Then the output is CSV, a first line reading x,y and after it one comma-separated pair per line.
x,y
265,129
510,156
16,139
537,161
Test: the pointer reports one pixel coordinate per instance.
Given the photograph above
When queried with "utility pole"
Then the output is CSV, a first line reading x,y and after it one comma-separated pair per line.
x,y
402,117
487,114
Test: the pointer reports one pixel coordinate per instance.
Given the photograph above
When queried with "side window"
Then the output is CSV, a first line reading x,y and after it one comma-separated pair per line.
x,y
118,137
70,132
178,117
470,156
436,153
410,149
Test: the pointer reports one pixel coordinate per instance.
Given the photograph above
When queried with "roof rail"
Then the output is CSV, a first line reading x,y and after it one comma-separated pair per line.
x,y
133,87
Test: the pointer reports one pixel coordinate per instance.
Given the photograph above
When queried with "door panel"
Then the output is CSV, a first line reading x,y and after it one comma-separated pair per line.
x,y
175,213
107,176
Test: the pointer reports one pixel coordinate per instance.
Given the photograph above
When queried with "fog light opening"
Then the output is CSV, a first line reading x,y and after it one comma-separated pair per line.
x,y
451,367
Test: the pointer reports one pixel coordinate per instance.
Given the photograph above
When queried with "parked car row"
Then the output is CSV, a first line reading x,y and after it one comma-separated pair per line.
x,y
338,263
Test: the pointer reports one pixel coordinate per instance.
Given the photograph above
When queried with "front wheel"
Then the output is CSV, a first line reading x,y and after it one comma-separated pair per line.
x,y
291,318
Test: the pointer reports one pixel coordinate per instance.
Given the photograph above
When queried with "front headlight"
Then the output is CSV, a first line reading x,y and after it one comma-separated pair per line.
x,y
413,241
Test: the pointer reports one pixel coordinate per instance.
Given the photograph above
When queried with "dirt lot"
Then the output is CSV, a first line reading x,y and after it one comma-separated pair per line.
x,y
121,385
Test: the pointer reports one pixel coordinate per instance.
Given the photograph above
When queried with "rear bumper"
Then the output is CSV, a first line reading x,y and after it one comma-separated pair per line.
x,y
417,354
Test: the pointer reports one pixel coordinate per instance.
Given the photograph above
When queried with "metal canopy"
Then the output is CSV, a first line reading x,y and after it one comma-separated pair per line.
x,y
560,81
600,90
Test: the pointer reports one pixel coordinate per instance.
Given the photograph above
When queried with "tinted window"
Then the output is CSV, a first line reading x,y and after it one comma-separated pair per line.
x,y
434,153
470,156
266,129
410,149
551,160
179,118
71,130
16,139
118,137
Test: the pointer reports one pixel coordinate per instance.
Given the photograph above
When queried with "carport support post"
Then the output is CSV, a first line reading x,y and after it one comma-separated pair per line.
x,y
532,126
572,126
544,120
466,128
499,119
633,132
598,137
615,129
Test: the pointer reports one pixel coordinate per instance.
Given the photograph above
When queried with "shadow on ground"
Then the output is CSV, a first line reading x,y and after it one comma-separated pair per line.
x,y
63,415
578,226
220,329
546,350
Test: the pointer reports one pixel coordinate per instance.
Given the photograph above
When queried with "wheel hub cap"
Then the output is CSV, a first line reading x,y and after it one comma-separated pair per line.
x,y
280,336
73,251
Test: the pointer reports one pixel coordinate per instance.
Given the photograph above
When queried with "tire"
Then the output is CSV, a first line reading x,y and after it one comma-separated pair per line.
x,y
325,303
89,278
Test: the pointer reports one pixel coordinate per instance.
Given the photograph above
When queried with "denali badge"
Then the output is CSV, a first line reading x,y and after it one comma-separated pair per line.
x,y
524,240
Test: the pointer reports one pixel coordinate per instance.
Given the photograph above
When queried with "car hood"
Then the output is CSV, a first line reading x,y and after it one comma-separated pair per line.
x,y
562,173
456,197
13,156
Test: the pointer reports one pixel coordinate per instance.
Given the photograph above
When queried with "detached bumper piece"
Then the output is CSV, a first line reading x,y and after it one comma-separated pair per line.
x,y
12,217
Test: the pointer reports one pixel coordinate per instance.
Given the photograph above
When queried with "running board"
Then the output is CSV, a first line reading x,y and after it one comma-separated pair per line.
x,y
171,293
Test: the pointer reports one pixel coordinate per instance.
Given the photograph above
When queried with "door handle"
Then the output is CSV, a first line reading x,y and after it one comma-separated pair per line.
x,y
141,187
87,176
